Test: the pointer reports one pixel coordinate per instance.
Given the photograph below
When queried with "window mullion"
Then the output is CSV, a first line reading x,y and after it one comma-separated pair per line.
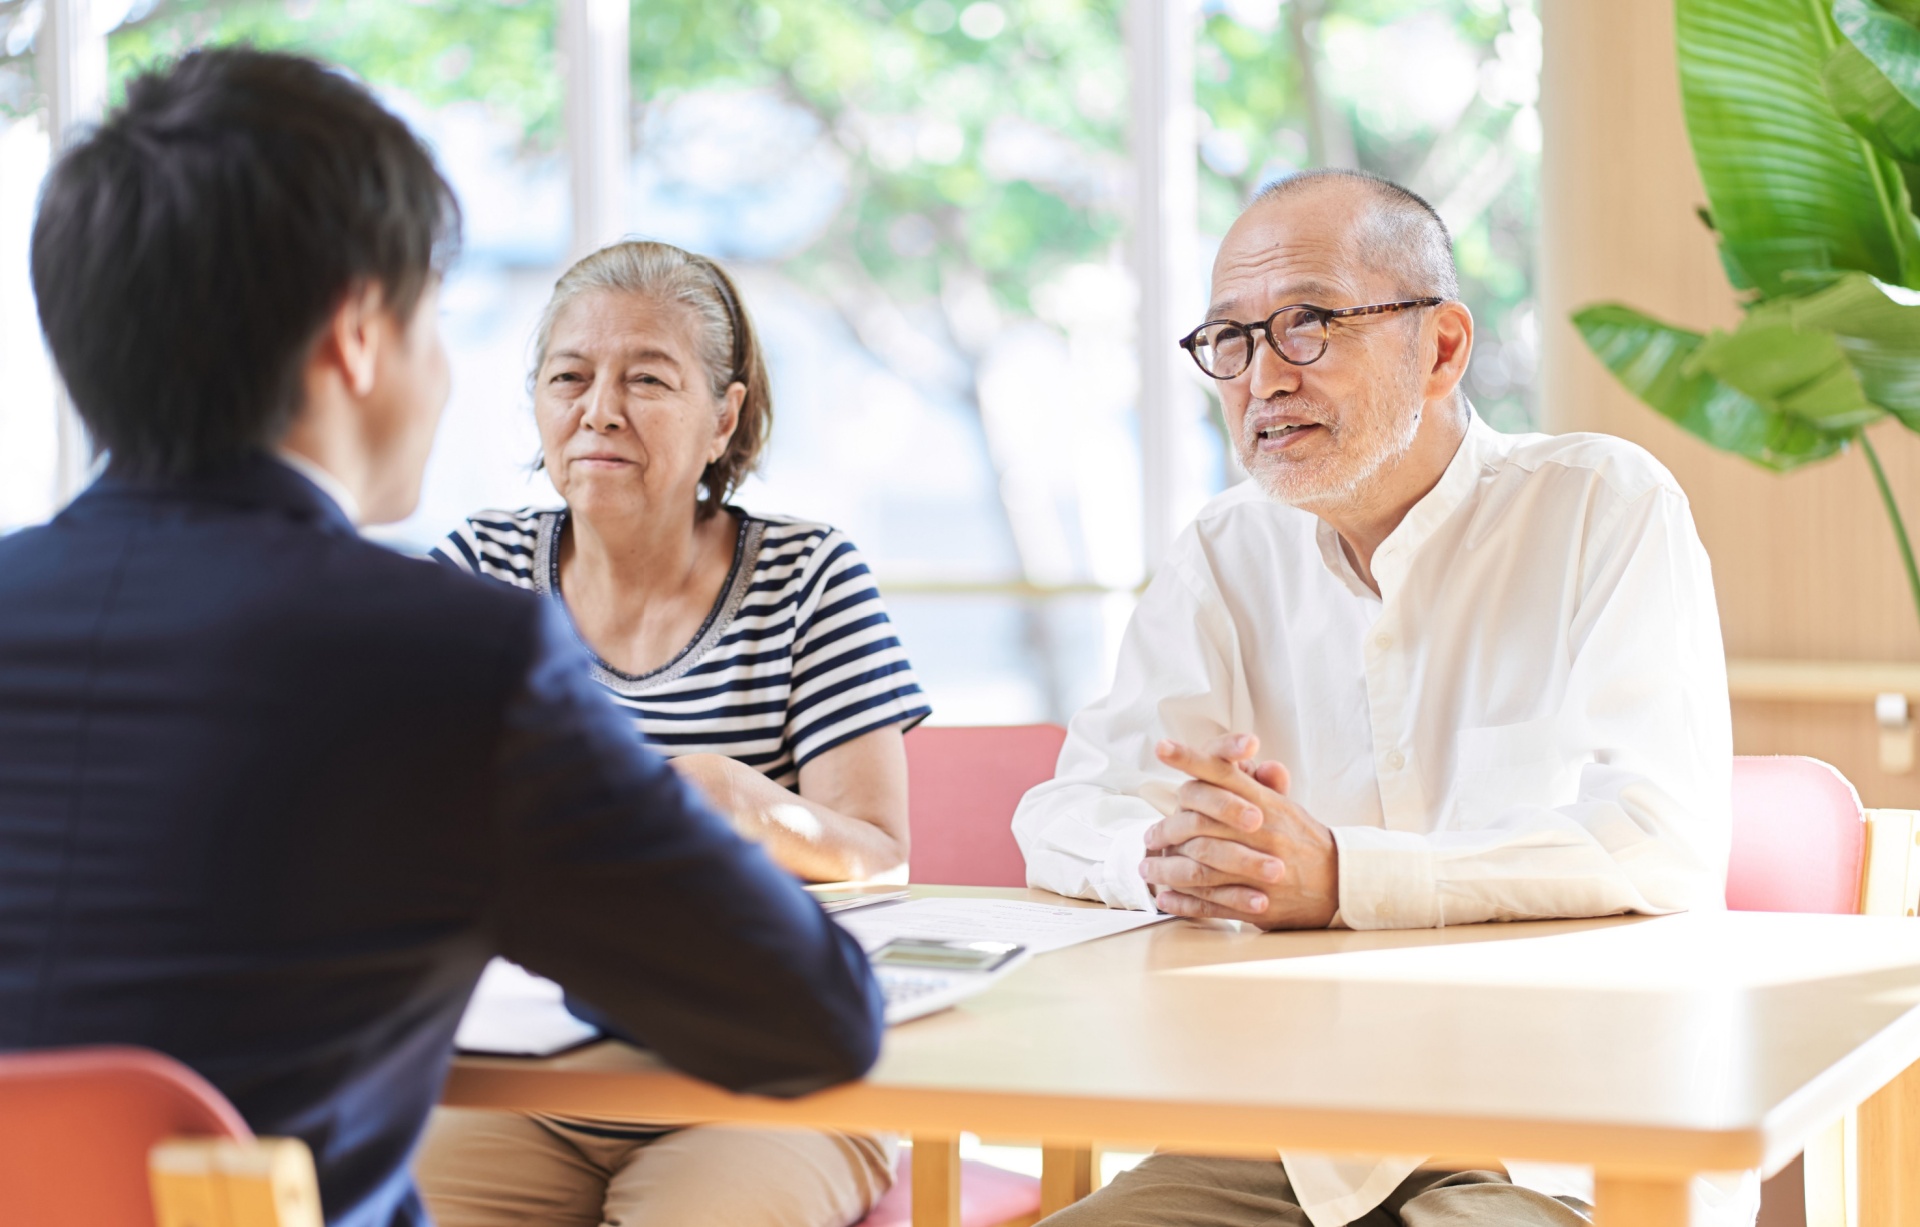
x,y
1160,50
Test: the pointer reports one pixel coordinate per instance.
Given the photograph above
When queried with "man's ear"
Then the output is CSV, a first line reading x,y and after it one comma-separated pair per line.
x,y
351,341
1452,347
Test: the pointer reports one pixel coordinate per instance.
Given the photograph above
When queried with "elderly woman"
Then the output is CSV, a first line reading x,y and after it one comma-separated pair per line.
x,y
751,649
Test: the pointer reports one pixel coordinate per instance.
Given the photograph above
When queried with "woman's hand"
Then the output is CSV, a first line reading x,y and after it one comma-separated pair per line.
x,y
848,821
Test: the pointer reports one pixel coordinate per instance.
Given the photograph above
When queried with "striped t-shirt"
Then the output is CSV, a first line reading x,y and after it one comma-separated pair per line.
x,y
796,656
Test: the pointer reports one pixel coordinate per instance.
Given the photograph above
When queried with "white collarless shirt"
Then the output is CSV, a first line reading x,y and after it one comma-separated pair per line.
x,y
1529,721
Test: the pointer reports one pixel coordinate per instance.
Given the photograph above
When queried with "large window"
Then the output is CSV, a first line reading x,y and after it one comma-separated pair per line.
x,y
928,206
29,440
936,218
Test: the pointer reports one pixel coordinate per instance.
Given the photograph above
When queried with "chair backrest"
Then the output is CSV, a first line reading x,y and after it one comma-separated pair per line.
x,y
962,787
1799,837
76,1125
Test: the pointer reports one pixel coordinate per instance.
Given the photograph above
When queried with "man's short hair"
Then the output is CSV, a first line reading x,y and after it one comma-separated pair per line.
x,y
1402,235
187,253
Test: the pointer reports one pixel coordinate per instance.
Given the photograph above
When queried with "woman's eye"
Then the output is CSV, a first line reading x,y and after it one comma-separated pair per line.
x,y
565,377
654,380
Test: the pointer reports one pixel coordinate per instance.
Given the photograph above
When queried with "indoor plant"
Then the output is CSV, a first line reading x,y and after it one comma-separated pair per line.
x,y
1805,122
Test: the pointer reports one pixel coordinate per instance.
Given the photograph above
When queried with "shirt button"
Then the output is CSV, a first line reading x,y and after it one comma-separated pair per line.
x,y
1395,760
1383,641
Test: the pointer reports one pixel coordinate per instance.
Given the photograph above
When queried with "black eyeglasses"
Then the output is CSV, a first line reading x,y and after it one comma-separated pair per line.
x,y
1224,348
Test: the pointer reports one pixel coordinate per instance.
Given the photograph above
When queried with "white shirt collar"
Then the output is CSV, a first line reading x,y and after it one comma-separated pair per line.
x,y
1395,554
329,485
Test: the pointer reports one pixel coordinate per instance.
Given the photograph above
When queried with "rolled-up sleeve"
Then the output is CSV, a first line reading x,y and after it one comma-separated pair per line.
x,y
1177,676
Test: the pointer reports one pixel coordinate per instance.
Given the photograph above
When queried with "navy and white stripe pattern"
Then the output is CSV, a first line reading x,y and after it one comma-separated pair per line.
x,y
797,655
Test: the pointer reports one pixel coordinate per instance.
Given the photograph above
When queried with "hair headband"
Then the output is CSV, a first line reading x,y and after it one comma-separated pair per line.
x,y
733,319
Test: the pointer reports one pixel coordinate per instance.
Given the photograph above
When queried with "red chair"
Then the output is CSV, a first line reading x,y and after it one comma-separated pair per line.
x,y
1799,838
102,1137
962,787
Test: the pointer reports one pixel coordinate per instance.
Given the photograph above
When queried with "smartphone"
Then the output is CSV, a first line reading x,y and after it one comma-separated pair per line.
x,y
930,954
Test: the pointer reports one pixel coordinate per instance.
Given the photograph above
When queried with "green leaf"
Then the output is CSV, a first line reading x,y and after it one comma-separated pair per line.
x,y
1655,362
1801,374
1791,186
1889,43
1877,327
1864,97
1906,10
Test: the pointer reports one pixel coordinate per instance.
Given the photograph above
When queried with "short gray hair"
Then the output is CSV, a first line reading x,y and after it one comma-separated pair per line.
x,y
1401,235
729,348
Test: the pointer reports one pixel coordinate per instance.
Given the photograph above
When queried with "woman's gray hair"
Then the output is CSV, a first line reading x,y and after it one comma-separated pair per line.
x,y
729,348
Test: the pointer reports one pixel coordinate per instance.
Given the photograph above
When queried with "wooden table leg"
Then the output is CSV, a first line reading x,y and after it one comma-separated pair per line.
x,y
1888,1153
936,1181
1066,1176
1639,1202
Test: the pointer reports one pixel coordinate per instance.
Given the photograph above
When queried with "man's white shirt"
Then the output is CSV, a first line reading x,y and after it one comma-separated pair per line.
x,y
1529,721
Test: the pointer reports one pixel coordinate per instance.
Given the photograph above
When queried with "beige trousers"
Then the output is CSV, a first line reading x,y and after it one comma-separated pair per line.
x,y
1174,1190
505,1169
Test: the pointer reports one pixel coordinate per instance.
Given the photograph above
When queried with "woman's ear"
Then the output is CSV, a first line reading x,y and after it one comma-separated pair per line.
x,y
729,419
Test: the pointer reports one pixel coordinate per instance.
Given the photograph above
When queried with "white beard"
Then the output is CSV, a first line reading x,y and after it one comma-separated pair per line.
x,y
1392,423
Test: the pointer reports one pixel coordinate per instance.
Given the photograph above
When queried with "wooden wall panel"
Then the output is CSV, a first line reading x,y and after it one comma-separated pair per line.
x,y
1805,564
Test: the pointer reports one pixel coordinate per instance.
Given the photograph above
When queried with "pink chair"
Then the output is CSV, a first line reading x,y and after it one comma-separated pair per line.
x,y
1799,845
1799,838
77,1124
962,787
989,1197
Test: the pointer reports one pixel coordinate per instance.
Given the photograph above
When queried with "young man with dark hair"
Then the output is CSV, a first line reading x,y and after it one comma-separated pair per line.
x,y
270,795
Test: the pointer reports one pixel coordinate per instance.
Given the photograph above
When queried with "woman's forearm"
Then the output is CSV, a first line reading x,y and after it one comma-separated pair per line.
x,y
807,838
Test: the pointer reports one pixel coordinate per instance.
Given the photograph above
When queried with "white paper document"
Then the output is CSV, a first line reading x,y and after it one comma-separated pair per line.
x,y
1040,927
518,1014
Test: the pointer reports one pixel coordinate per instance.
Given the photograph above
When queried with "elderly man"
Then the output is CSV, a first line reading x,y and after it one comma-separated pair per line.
x,y
1414,673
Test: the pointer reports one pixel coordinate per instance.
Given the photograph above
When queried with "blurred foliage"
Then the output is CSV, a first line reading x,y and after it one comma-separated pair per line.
x,y
985,142
20,92
498,51
919,96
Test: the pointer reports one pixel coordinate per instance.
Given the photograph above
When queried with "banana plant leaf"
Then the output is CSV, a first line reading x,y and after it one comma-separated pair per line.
x,y
1791,186
1803,374
1868,101
1906,10
1876,326
1655,362
1889,42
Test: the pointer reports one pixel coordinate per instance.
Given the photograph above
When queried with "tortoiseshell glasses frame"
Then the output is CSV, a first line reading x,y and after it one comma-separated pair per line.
x,y
1222,349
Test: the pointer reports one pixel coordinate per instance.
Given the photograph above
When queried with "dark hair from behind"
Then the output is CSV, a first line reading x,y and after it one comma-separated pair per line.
x,y
187,253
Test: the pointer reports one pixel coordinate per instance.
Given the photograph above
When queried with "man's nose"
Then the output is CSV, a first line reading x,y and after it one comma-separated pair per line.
x,y
1271,375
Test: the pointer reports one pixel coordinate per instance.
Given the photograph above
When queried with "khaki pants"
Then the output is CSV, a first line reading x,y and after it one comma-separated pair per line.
x,y
505,1169
1173,1190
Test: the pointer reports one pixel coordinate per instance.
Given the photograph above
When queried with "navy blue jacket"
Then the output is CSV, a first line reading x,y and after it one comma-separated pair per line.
x,y
271,796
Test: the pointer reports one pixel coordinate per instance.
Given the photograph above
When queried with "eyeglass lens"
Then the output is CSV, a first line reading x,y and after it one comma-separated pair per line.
x,y
1225,350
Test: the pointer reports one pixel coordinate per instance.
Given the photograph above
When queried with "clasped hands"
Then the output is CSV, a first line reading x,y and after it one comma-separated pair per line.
x,y
1238,848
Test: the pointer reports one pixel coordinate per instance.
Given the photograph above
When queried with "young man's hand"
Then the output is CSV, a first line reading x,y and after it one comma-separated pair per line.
x,y
1238,848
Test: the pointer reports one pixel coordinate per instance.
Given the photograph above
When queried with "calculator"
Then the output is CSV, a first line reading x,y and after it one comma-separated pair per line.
x,y
922,975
